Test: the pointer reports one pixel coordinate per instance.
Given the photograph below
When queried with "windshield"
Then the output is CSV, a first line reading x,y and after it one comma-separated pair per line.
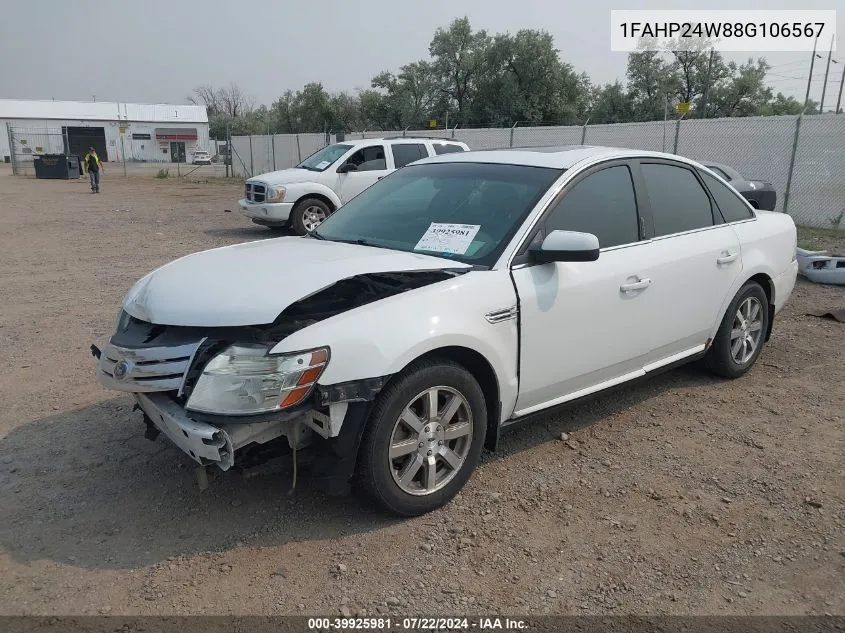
x,y
322,160
465,211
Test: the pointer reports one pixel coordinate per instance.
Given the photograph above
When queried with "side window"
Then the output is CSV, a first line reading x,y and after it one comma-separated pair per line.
x,y
732,208
603,204
447,148
406,153
369,158
678,201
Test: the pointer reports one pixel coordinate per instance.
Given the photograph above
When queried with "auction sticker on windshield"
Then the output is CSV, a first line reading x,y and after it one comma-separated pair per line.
x,y
448,238
322,164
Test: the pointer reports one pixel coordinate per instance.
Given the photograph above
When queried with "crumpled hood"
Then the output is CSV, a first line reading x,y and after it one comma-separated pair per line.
x,y
285,176
251,283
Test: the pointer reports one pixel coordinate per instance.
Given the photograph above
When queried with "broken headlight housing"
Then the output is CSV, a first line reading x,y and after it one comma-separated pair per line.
x,y
244,380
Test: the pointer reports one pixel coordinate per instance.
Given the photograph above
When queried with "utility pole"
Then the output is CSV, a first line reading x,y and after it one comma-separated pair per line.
x,y
826,71
706,87
841,83
810,78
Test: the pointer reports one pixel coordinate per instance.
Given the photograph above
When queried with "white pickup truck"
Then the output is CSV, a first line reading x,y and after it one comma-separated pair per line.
x,y
456,296
305,195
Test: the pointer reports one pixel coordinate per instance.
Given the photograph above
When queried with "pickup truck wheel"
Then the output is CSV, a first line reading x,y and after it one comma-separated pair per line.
x,y
741,335
424,438
308,214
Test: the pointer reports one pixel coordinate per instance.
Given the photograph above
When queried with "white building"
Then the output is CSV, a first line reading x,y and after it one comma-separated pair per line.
x,y
134,131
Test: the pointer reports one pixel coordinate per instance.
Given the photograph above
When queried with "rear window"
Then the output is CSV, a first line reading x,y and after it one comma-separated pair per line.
x,y
406,153
733,209
447,148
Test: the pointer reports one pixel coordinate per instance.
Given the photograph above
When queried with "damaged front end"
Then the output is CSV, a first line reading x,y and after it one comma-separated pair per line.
x,y
218,394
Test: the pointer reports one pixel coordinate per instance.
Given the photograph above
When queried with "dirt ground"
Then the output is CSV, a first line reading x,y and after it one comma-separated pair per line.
x,y
683,495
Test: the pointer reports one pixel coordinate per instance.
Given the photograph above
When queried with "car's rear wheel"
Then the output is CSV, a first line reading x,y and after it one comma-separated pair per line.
x,y
308,214
742,333
423,439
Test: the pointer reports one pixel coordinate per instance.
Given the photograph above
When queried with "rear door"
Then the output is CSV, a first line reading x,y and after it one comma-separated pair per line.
x,y
372,164
695,259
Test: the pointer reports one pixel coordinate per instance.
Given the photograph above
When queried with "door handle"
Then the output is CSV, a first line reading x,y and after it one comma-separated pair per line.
x,y
634,286
727,257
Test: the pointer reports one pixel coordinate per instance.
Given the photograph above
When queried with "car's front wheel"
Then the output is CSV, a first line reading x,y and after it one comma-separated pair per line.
x,y
424,438
742,333
308,214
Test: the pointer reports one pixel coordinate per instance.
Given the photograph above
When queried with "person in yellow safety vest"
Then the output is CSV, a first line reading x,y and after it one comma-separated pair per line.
x,y
93,166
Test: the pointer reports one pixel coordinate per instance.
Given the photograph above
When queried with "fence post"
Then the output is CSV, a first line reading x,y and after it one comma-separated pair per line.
x,y
123,153
273,145
677,133
251,160
454,129
229,155
792,163
12,148
513,127
298,150
584,131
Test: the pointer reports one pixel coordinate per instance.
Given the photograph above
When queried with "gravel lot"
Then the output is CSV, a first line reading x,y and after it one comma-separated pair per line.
x,y
684,495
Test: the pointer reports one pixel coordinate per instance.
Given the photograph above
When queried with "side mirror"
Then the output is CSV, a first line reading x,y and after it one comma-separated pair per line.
x,y
346,168
566,246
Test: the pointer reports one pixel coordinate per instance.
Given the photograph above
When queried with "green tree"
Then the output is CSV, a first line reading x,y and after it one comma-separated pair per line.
x,y
612,104
458,57
782,105
742,93
650,79
523,79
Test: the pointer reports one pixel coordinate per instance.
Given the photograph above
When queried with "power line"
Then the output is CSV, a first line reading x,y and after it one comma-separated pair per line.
x,y
801,61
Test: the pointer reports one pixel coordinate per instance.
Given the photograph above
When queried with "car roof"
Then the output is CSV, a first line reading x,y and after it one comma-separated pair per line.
x,y
399,139
556,157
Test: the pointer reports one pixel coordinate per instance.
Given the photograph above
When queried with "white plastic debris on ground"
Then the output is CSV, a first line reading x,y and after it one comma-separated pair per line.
x,y
821,267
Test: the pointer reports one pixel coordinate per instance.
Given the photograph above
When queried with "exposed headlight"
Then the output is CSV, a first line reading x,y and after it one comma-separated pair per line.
x,y
246,379
275,194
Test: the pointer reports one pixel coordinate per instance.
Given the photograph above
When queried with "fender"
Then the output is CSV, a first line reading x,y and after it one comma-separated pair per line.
x,y
299,190
445,314
767,247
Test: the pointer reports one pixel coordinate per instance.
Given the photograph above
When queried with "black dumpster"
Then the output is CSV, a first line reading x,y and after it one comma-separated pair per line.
x,y
57,166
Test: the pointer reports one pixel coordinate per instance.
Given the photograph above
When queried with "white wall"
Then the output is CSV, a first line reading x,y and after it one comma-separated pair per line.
x,y
47,134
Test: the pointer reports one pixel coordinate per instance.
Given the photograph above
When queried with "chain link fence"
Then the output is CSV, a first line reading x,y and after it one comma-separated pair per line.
x,y
800,156
810,148
26,144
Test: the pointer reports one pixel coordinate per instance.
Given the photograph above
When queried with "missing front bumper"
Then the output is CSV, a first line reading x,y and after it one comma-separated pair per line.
x,y
209,444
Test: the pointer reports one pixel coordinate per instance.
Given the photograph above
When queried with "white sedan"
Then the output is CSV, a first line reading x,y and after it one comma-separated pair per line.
x,y
452,298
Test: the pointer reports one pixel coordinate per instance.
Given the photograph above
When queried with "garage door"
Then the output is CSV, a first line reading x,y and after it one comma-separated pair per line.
x,y
81,138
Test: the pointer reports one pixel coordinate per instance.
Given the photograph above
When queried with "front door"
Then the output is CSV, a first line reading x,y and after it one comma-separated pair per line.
x,y
177,151
580,322
370,166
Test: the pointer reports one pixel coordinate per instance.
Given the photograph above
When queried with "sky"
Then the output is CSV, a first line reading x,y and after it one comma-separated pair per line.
x,y
157,51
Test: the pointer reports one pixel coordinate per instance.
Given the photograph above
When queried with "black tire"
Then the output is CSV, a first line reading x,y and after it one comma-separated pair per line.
x,y
719,358
375,469
298,214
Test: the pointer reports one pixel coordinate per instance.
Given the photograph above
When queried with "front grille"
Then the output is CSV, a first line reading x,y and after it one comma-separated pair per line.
x,y
146,369
256,192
